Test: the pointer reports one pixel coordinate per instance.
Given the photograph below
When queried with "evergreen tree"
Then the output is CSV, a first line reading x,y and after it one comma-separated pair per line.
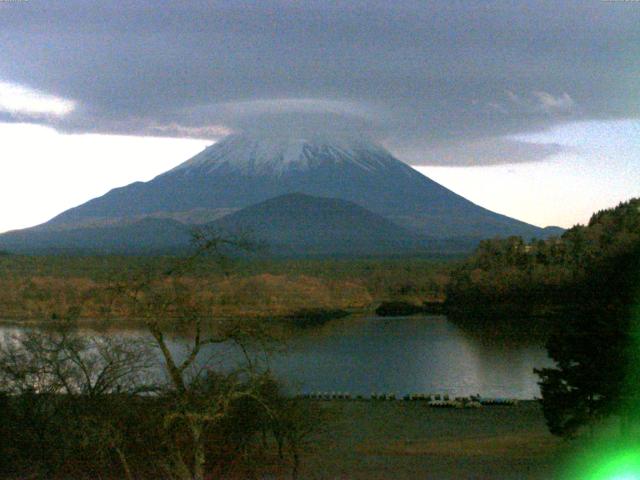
x,y
596,349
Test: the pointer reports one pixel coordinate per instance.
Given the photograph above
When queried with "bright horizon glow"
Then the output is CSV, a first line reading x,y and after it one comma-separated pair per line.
x,y
549,193
45,172
21,100
599,168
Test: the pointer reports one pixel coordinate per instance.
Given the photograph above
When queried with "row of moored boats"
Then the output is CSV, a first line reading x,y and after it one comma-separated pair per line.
x,y
433,400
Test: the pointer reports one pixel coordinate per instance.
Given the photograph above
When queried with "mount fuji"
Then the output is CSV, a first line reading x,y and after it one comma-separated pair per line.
x,y
243,170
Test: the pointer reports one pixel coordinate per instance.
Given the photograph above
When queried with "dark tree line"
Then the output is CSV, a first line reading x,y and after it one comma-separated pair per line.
x,y
540,278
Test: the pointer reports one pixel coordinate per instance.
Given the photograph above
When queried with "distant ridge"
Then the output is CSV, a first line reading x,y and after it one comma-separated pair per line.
x,y
298,224
289,225
145,236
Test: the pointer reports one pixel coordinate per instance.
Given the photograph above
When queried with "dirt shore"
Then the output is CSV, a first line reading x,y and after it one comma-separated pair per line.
x,y
409,440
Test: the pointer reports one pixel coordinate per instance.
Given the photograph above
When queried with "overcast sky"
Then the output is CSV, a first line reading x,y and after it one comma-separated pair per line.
x,y
528,108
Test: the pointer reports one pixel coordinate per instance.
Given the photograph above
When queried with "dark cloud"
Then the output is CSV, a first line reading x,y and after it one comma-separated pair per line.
x,y
424,77
486,151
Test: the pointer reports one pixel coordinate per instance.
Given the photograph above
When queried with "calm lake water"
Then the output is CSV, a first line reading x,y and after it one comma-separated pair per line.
x,y
411,355
399,355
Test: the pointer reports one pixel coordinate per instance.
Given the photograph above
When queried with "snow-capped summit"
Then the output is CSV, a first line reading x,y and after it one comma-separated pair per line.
x,y
251,154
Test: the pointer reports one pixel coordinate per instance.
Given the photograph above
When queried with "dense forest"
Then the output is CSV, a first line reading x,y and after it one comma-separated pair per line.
x,y
512,278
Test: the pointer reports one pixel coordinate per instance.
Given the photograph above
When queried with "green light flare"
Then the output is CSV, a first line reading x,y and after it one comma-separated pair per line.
x,y
610,464
625,466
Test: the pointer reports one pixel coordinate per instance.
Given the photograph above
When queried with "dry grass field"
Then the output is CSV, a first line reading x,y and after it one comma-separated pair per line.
x,y
41,288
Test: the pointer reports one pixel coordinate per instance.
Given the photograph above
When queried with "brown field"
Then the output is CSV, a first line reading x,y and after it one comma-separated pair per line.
x,y
42,288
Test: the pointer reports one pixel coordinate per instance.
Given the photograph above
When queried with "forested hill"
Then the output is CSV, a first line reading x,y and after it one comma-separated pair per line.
x,y
542,277
609,232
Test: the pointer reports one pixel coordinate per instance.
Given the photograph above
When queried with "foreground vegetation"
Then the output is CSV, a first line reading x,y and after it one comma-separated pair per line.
x,y
124,421
80,406
74,406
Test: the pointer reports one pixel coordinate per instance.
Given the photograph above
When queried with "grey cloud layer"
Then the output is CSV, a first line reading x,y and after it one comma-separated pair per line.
x,y
437,80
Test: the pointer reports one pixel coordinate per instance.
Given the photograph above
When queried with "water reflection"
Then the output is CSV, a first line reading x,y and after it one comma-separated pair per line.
x,y
425,354
401,355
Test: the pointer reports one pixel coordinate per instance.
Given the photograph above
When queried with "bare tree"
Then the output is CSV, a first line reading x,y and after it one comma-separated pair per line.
x,y
49,370
163,304
64,361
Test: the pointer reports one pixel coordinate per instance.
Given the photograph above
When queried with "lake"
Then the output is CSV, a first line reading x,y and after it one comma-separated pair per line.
x,y
411,355
399,355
